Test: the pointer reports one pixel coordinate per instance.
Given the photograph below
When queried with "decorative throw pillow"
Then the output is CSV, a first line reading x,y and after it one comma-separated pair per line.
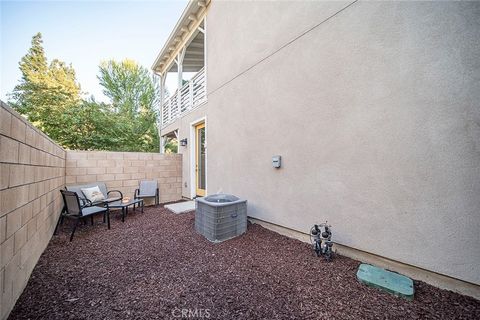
x,y
93,194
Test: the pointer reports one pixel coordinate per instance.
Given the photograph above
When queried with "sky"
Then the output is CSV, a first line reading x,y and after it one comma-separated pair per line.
x,y
84,33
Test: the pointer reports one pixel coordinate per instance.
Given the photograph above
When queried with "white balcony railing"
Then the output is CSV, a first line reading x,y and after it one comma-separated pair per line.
x,y
190,96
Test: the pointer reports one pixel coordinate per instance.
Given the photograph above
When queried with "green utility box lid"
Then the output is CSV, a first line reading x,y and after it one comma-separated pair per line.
x,y
392,282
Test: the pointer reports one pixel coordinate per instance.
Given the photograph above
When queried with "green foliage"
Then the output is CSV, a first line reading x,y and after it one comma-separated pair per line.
x,y
134,94
89,126
49,96
45,91
171,145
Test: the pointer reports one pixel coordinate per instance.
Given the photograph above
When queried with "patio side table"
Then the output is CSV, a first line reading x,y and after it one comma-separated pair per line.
x,y
124,206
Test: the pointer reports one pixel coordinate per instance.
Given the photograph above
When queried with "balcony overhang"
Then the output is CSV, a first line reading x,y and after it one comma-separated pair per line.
x,y
194,58
187,32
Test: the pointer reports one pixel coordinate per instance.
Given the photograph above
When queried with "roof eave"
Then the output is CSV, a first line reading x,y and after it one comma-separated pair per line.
x,y
192,7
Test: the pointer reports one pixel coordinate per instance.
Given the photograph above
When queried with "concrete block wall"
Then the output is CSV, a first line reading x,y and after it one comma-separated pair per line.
x,y
124,170
32,171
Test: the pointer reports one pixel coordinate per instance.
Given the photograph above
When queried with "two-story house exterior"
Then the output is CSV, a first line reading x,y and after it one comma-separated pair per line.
x,y
373,107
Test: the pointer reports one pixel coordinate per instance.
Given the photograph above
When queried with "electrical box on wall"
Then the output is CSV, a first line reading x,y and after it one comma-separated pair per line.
x,y
277,161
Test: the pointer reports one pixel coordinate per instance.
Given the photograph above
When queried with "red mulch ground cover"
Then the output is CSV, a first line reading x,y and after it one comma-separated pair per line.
x,y
154,266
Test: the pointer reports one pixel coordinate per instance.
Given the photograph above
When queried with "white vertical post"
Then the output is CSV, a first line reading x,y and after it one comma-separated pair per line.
x,y
179,62
180,73
172,105
162,98
205,54
163,77
162,145
162,89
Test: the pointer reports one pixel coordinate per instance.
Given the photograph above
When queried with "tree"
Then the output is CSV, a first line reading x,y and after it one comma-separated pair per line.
x,y
49,96
134,93
171,145
45,90
90,125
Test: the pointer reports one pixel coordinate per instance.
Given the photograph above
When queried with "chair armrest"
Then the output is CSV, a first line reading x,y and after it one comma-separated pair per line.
x,y
121,194
135,194
85,202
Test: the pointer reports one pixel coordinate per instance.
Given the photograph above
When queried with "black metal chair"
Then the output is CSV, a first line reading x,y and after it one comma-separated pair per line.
x,y
103,188
74,210
87,203
148,189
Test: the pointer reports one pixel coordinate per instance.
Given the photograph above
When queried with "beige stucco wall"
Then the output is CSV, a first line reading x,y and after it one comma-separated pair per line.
x,y
185,125
375,113
32,171
124,170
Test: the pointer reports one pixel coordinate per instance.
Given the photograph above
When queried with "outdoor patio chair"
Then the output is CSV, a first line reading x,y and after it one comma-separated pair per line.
x,y
74,210
103,188
148,189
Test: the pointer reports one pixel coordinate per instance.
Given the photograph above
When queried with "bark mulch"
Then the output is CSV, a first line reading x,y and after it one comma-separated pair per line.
x,y
154,266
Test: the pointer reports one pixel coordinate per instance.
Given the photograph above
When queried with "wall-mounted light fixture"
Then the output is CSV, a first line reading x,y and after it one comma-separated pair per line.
x,y
183,142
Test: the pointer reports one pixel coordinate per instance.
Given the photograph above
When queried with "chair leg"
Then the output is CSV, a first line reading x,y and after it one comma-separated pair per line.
x,y
123,214
62,217
142,205
108,219
74,228
58,223
91,219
